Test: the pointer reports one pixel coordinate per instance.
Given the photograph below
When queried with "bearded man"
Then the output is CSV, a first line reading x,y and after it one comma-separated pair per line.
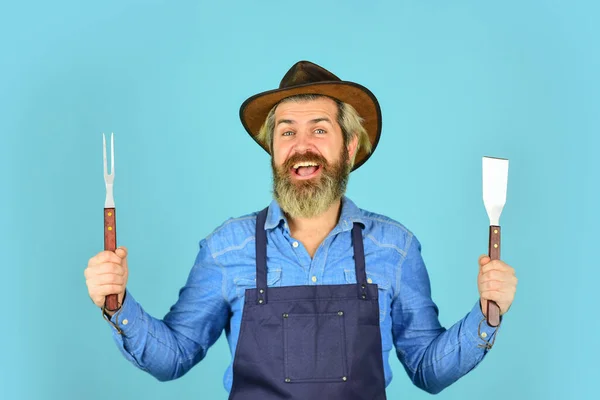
x,y
312,292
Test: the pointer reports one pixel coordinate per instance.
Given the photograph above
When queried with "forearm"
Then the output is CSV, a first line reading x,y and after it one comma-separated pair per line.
x,y
151,344
452,353
168,348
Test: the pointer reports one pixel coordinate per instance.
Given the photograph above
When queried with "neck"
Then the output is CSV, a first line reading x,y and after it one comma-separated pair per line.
x,y
320,225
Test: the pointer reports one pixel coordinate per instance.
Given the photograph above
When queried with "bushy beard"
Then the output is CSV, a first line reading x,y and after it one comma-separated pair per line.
x,y
311,197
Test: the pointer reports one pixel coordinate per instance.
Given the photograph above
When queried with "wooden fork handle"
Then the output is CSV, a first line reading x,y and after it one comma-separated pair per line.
x,y
493,311
110,243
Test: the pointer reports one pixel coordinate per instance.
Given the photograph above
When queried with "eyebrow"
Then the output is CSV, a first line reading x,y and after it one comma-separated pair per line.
x,y
312,121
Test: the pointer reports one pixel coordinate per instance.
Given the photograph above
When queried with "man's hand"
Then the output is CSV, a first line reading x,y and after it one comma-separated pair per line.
x,y
106,274
497,282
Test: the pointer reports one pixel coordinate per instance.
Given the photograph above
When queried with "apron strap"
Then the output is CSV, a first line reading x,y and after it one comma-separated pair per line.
x,y
261,257
359,261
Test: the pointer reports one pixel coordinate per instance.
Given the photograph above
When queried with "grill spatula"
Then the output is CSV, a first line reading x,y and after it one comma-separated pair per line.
x,y
495,180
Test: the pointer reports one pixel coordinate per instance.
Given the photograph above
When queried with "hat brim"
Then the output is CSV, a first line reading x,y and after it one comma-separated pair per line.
x,y
255,109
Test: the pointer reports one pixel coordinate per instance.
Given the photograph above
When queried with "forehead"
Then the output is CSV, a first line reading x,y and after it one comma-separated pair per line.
x,y
324,106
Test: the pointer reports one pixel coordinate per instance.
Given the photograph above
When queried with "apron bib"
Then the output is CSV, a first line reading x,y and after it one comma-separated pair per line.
x,y
309,342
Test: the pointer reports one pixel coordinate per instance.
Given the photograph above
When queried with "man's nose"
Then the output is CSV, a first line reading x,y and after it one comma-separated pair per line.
x,y
303,142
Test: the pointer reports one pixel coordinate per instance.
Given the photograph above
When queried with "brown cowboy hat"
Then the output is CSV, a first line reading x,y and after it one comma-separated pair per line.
x,y
308,78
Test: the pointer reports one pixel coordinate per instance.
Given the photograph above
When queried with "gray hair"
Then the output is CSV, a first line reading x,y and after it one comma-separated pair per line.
x,y
347,118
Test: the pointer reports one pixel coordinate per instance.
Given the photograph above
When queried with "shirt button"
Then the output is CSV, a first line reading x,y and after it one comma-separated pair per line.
x,y
370,280
314,278
125,322
295,244
484,335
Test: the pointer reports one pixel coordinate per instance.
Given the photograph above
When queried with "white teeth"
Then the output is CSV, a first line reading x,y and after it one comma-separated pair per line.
x,y
305,164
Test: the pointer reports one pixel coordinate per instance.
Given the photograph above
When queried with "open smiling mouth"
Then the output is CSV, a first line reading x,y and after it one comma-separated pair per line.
x,y
305,170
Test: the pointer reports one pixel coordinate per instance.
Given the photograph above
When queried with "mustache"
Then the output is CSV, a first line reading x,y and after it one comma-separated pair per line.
x,y
309,156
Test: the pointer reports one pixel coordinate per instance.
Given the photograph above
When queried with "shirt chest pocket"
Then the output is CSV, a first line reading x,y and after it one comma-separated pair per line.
x,y
249,281
383,287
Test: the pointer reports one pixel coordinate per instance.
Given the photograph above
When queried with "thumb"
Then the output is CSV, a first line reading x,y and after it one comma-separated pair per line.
x,y
121,252
484,259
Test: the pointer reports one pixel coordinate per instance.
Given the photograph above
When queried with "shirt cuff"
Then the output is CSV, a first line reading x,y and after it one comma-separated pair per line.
x,y
479,330
125,320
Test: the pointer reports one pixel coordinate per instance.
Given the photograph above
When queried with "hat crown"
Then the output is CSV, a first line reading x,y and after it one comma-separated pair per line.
x,y
305,72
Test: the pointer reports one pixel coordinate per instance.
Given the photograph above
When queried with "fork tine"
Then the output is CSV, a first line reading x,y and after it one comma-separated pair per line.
x,y
112,154
104,152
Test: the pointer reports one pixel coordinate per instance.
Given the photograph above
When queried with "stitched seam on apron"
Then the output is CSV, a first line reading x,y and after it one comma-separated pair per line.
x,y
271,300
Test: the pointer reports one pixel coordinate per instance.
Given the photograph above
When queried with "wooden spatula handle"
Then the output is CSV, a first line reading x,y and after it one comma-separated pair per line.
x,y
110,243
493,311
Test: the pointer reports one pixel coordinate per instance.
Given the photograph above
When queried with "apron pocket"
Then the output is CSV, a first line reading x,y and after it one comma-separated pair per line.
x,y
314,347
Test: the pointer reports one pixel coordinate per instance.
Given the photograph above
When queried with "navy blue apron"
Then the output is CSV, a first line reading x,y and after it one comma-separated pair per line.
x,y
309,342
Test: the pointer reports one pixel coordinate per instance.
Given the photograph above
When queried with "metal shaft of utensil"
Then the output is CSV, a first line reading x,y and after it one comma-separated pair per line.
x,y
111,302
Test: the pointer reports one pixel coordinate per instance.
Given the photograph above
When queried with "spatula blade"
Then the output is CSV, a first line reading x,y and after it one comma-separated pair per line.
x,y
495,182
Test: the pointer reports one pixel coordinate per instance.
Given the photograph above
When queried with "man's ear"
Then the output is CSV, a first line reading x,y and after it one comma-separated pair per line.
x,y
352,147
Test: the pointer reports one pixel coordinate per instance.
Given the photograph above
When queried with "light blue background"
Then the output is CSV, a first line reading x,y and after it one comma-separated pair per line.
x,y
457,80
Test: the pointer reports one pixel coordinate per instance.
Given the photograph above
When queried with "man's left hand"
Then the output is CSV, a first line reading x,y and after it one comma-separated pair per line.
x,y
497,282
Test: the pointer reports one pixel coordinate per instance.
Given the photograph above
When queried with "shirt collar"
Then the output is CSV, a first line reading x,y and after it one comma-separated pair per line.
x,y
350,214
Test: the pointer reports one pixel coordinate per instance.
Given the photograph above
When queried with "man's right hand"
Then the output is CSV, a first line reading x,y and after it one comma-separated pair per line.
x,y
106,274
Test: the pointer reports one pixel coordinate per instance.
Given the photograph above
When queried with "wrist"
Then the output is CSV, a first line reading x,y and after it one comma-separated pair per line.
x,y
120,300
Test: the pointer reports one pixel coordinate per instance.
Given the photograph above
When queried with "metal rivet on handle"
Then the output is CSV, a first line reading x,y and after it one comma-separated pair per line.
x,y
495,245
344,378
261,291
364,296
109,214
340,313
285,315
495,230
288,380
110,228
260,301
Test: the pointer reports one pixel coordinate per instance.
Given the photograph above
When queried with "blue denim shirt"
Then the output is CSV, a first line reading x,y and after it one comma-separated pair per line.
x,y
213,297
